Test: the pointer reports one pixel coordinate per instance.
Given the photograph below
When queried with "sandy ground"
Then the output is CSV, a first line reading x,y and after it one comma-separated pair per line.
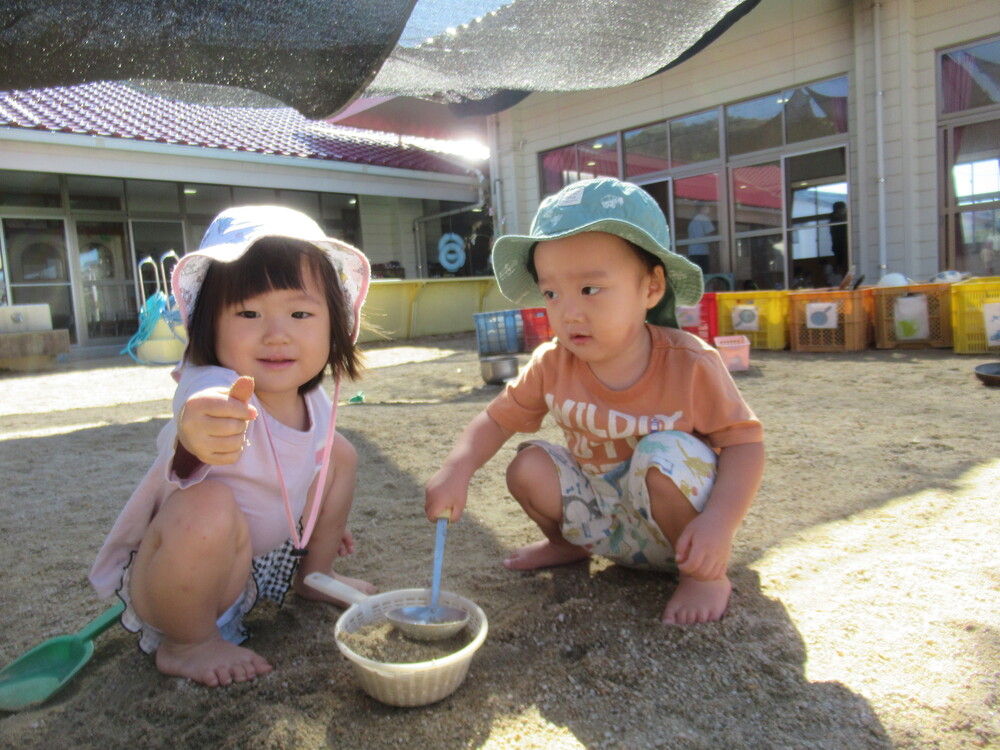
x,y
864,615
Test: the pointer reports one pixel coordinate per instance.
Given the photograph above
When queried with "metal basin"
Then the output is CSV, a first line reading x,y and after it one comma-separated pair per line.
x,y
495,370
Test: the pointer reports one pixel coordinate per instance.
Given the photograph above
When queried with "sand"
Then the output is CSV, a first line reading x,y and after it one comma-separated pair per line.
x,y
864,613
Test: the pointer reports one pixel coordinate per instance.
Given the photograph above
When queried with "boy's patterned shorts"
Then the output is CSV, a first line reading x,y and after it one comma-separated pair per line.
x,y
610,514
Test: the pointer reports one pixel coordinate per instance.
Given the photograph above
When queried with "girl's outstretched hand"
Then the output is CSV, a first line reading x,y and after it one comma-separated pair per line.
x,y
213,423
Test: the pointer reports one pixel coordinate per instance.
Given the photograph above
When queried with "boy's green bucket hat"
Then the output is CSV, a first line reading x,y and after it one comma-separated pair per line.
x,y
601,205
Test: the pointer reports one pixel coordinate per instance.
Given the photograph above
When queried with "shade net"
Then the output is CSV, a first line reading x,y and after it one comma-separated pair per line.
x,y
493,58
480,56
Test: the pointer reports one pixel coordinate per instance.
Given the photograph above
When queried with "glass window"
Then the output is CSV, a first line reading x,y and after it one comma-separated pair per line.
x,y
817,215
970,77
29,189
251,196
149,196
816,110
558,169
207,200
757,197
598,158
760,262
977,242
36,251
95,193
975,179
755,124
646,150
300,200
340,217
976,173
105,268
696,214
151,241
694,138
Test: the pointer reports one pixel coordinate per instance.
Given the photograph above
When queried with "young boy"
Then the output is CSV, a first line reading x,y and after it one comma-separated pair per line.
x,y
662,456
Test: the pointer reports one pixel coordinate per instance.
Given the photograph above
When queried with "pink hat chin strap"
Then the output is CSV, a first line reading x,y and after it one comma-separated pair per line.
x,y
300,544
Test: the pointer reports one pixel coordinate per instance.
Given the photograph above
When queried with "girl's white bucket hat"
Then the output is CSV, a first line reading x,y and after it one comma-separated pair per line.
x,y
234,230
601,205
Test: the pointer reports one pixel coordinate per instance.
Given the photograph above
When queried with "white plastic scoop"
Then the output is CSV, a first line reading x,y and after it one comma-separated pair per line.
x,y
435,621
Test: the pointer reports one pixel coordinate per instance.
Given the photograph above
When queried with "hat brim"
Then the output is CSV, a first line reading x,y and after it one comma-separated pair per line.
x,y
510,266
351,265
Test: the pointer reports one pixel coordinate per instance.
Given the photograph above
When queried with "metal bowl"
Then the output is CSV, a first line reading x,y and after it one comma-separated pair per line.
x,y
496,370
989,373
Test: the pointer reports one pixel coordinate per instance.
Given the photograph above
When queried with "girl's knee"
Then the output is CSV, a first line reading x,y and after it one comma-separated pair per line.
x,y
208,509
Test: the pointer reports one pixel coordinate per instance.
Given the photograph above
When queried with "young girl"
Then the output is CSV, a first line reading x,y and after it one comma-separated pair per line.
x,y
241,485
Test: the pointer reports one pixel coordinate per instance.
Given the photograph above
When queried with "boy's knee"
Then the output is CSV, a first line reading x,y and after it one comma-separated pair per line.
x,y
525,465
662,488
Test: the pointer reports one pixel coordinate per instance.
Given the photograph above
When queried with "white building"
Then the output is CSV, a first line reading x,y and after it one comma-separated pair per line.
x,y
891,107
99,179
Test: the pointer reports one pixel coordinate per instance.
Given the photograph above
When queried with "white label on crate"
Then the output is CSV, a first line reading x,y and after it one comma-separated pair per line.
x,y
821,315
688,317
746,318
910,314
991,320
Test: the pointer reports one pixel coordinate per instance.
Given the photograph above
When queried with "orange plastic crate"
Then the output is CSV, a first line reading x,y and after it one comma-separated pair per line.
x,y
854,310
967,300
938,316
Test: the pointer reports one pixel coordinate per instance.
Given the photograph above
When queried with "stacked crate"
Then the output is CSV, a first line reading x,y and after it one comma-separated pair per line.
x,y
975,307
761,316
837,320
927,322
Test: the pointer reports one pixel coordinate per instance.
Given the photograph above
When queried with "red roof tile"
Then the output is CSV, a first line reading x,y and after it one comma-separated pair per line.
x,y
122,110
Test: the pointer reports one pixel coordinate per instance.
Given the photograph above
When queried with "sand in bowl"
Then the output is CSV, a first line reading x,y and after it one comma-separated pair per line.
x,y
380,641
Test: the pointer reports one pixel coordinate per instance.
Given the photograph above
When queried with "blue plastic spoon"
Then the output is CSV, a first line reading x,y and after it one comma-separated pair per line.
x,y
435,621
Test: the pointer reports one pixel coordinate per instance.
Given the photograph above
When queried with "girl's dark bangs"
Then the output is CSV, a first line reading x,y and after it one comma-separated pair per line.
x,y
262,269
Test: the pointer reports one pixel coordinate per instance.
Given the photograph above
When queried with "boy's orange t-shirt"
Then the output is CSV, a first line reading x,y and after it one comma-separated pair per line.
x,y
686,387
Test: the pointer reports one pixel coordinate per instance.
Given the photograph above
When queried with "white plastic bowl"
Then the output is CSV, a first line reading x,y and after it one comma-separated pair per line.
x,y
416,684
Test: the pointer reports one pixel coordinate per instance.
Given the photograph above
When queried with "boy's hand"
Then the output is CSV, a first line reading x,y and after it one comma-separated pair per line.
x,y
703,549
213,423
446,490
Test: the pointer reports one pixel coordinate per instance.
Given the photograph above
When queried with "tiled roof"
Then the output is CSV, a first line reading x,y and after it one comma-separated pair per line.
x,y
128,111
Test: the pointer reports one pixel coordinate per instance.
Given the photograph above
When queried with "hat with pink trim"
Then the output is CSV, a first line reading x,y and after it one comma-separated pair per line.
x,y
234,230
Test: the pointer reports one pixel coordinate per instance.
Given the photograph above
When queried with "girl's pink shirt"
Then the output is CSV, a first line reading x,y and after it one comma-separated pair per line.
x,y
253,478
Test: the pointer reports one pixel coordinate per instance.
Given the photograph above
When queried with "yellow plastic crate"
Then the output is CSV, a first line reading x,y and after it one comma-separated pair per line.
x,y
850,311
769,314
967,300
939,332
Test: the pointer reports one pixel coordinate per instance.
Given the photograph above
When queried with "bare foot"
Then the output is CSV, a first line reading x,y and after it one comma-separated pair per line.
x,y
545,554
308,592
213,662
697,601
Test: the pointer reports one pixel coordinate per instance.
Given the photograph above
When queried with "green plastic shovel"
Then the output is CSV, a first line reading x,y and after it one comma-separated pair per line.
x,y
41,672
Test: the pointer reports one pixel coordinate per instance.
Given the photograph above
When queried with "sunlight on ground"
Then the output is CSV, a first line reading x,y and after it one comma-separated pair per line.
x,y
77,389
907,588
529,729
